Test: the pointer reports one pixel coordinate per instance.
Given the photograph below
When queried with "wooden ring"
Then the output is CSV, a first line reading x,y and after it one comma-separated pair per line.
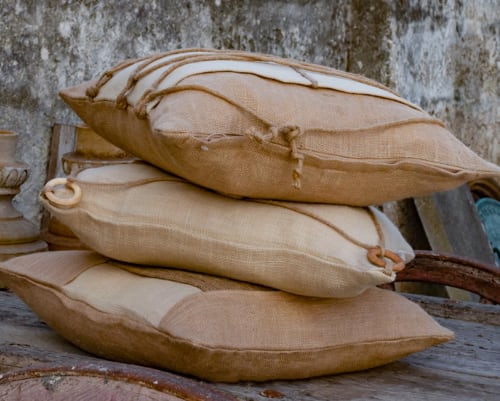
x,y
64,203
376,257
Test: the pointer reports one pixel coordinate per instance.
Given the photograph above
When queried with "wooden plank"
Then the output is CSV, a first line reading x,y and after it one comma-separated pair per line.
x,y
460,310
99,379
404,215
452,225
59,387
459,272
466,368
63,141
461,370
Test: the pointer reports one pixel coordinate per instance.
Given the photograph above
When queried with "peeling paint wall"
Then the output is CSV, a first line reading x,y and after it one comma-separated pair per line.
x,y
442,55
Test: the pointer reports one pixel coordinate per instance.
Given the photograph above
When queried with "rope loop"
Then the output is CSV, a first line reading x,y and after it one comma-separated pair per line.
x,y
58,201
378,255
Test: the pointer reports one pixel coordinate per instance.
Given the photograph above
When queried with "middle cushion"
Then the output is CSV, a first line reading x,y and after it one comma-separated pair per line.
x,y
139,214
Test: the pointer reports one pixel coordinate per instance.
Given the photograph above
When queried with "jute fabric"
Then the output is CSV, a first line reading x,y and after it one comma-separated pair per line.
x,y
228,333
258,126
137,213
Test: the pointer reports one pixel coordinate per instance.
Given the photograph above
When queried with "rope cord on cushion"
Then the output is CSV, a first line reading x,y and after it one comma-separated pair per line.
x,y
93,91
154,92
141,71
193,56
291,134
376,254
296,66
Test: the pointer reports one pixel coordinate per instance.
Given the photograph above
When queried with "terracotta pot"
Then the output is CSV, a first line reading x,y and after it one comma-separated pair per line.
x,y
18,236
92,150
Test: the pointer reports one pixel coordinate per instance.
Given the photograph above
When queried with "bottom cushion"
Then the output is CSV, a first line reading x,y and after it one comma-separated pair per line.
x,y
211,327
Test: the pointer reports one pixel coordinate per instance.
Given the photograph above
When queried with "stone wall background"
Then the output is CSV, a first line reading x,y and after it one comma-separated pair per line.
x,y
442,55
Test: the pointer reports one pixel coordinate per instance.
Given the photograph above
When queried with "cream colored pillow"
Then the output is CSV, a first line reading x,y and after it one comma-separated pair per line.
x,y
258,126
214,328
139,214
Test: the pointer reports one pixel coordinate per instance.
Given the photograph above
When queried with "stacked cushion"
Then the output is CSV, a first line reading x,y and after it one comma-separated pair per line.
x,y
214,328
137,213
246,246
251,125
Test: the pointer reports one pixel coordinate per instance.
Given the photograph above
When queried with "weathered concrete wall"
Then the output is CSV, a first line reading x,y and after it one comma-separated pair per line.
x,y
442,55
447,59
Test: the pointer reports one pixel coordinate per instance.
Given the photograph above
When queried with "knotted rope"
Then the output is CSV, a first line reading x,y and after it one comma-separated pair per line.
x,y
292,134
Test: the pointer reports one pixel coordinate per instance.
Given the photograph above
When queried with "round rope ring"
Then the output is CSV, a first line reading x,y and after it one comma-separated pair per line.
x,y
48,191
376,256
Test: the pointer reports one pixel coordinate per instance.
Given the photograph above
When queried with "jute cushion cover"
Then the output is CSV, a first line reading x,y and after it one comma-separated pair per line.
x,y
259,126
214,328
137,213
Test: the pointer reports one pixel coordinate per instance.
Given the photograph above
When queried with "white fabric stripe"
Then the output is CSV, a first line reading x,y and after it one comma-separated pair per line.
x,y
350,86
145,83
115,85
269,70
118,292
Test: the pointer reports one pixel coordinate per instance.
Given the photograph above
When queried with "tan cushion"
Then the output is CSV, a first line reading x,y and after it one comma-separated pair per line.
x,y
259,126
137,213
211,327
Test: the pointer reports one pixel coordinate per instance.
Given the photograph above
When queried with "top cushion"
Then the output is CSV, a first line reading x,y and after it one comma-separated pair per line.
x,y
258,126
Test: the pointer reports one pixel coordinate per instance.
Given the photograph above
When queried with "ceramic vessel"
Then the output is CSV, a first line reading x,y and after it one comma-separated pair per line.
x,y
18,236
91,150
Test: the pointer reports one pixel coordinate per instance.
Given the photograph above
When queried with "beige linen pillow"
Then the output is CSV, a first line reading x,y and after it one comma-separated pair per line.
x,y
139,214
214,328
258,126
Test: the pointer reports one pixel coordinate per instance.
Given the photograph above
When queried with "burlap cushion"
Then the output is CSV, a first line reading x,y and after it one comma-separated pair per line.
x,y
210,327
139,214
264,127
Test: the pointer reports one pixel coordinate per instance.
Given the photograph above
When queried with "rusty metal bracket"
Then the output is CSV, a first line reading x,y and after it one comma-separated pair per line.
x,y
455,271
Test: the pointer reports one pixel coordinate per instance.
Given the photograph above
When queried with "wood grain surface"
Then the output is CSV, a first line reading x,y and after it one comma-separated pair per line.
x,y
467,368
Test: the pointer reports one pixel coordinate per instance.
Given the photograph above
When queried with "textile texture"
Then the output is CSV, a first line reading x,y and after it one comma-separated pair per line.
x,y
214,328
137,213
258,126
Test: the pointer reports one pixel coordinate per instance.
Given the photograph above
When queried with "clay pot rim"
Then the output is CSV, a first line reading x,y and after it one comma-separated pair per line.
x,y
7,132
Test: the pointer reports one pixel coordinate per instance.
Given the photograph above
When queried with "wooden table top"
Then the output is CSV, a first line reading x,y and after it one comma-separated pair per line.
x,y
35,359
